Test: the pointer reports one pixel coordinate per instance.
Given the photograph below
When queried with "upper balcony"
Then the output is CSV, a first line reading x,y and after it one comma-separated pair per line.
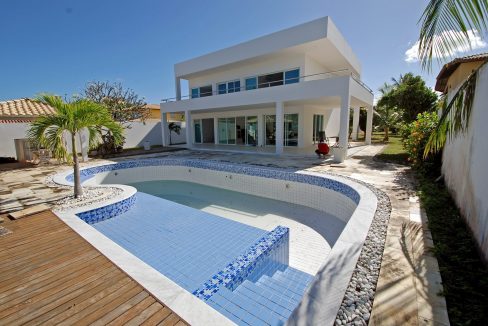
x,y
271,88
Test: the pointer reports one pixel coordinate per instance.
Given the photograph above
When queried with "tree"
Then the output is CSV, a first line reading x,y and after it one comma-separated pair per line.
x,y
123,104
410,95
173,127
388,117
71,118
446,27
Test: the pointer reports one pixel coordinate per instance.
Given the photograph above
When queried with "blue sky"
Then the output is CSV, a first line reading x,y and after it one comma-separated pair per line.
x,y
58,46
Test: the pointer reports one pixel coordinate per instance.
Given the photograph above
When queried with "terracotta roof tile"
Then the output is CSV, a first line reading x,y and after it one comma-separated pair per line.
x,y
450,67
24,108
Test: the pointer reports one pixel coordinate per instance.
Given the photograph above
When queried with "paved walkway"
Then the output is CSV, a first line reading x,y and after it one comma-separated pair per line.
x,y
409,282
50,275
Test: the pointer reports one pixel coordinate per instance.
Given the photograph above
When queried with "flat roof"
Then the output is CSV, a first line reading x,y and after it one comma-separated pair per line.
x,y
322,32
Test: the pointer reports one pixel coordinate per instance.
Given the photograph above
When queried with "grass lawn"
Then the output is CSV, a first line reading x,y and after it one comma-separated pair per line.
x,y
464,276
394,152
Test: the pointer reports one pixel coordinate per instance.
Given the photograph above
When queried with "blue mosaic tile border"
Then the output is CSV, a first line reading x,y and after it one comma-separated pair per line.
x,y
271,250
334,185
102,213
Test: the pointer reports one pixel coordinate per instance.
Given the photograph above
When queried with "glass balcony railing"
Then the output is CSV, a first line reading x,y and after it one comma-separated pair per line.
x,y
274,83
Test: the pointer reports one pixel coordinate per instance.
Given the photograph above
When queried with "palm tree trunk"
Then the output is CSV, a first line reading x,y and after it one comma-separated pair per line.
x,y
76,167
387,134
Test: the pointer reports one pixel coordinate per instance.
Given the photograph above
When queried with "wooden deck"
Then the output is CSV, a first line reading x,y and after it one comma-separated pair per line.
x,y
50,275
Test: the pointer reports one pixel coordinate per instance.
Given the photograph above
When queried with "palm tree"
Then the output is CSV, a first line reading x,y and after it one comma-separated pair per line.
x,y
446,27
173,127
388,117
71,118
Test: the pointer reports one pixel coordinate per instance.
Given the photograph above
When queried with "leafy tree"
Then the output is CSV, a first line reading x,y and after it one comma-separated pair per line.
x,y
173,127
410,95
446,27
71,118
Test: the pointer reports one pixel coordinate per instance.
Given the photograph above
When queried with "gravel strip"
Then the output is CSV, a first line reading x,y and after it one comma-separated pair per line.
x,y
358,300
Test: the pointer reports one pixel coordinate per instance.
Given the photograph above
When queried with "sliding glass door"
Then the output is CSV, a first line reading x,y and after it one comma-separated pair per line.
x,y
227,130
270,129
252,131
290,129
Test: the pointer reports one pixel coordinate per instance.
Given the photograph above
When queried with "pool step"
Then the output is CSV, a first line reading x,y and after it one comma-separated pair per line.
x,y
268,301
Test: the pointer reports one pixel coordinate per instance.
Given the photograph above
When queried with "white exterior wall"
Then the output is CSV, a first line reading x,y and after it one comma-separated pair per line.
x,y
9,132
264,66
465,160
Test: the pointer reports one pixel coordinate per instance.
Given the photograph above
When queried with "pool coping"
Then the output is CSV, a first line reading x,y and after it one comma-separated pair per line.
x,y
323,297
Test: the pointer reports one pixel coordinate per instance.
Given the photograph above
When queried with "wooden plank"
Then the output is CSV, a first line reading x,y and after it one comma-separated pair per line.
x,y
50,275
29,211
171,320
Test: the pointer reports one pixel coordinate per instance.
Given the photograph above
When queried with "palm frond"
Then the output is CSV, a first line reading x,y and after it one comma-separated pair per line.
x,y
455,115
445,27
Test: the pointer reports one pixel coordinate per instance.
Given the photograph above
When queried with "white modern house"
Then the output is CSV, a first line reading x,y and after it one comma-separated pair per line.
x,y
275,93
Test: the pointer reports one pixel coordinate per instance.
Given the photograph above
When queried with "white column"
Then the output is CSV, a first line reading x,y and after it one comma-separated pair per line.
x,y
279,127
216,131
340,152
178,88
188,123
355,124
369,124
261,132
164,129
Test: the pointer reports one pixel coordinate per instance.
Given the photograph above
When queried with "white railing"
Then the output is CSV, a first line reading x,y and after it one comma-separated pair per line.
x,y
280,82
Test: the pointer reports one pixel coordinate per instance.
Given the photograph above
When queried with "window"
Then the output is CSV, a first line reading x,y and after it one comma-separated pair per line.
x,y
252,131
201,91
195,92
290,130
251,83
318,127
292,76
197,128
227,130
270,80
229,87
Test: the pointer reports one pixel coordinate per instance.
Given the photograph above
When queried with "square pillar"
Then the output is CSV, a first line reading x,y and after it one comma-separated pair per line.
x,y
216,131
279,136
164,129
340,152
178,88
355,124
369,124
188,123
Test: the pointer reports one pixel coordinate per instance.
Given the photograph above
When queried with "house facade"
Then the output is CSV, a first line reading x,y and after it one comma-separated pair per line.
x,y
278,93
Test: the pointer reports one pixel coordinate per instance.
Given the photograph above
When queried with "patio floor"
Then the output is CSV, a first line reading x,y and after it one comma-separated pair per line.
x,y
50,275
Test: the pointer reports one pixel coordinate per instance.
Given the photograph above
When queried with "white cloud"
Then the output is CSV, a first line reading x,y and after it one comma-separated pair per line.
x,y
412,54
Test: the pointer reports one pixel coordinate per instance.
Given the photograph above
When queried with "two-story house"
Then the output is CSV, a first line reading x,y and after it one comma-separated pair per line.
x,y
277,93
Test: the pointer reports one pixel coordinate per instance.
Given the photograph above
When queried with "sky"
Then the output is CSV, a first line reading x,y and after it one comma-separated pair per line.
x,y
58,46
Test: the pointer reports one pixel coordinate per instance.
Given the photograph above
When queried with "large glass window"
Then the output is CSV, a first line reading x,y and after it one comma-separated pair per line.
x,y
318,127
291,130
229,87
201,91
227,130
252,131
292,76
270,80
197,128
270,129
251,83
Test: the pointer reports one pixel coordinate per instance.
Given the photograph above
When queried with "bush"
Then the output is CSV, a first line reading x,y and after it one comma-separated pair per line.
x,y
415,136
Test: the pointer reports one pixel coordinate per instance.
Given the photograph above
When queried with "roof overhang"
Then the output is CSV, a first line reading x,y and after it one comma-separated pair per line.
x,y
320,39
449,68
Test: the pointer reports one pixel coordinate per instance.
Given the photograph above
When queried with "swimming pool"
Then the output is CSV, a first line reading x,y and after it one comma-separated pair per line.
x,y
204,215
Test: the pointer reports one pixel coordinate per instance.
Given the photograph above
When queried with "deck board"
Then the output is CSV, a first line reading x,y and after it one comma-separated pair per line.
x,y
50,275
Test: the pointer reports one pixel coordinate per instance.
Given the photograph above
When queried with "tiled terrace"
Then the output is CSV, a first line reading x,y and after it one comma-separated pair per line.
x,y
50,275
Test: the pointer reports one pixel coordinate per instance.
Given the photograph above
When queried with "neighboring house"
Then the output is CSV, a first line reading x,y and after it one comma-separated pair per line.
x,y
465,158
279,92
15,117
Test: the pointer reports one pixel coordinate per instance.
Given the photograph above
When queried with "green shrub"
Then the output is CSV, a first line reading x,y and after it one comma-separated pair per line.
x,y
415,136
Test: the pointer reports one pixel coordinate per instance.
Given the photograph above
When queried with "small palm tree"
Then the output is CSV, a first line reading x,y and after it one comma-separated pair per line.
x,y
173,127
71,118
388,117
446,27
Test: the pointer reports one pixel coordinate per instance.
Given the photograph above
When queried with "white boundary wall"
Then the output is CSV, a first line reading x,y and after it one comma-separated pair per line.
x,y
465,162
